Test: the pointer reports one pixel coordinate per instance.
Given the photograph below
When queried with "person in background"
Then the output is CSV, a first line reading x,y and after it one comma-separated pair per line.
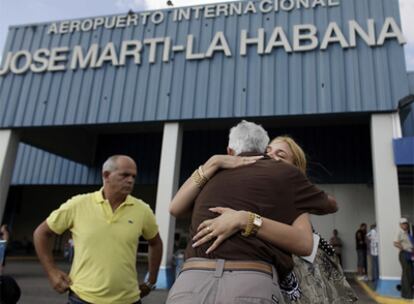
x,y
4,233
403,241
336,243
373,239
5,239
105,226
69,251
361,248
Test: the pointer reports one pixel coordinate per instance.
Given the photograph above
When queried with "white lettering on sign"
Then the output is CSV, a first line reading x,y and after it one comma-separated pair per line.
x,y
301,38
390,30
108,55
304,32
83,61
367,36
57,59
130,48
278,39
40,61
187,13
333,35
219,43
189,54
152,42
20,56
258,40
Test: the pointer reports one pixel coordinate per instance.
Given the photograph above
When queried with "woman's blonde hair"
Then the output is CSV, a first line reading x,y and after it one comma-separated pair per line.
x,y
299,157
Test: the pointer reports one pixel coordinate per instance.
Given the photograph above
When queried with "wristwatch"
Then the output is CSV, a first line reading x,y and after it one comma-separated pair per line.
x,y
149,285
254,222
257,223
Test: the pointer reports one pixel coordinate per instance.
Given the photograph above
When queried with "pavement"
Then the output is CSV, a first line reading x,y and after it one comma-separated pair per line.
x,y
36,289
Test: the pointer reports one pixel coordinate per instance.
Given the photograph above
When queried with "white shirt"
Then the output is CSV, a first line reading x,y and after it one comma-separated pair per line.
x,y
373,238
404,240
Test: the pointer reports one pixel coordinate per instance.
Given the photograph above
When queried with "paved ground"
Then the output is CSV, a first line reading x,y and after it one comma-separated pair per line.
x,y
36,289
363,297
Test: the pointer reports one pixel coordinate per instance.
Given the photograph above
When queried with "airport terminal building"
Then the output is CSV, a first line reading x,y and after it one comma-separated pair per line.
x,y
165,87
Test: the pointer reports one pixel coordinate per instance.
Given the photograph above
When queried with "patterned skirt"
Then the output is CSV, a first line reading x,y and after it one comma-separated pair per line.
x,y
322,281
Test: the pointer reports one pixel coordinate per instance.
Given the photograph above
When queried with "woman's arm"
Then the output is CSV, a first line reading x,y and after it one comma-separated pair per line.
x,y
184,198
296,238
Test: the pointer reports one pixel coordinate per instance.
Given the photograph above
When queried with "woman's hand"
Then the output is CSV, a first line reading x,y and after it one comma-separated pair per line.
x,y
233,161
222,227
221,161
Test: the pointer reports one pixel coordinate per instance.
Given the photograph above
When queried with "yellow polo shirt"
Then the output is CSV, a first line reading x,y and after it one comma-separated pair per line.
x,y
104,265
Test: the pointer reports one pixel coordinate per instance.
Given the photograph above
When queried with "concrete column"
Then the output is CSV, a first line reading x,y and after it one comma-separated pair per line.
x,y
385,127
9,142
168,179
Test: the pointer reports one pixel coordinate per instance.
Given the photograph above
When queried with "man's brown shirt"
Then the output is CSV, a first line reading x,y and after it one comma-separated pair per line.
x,y
272,189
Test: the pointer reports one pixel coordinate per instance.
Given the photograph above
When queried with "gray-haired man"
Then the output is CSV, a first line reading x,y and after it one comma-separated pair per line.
x,y
245,268
105,227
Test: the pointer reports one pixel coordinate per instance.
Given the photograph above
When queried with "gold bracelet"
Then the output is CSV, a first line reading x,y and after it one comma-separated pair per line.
x,y
249,227
198,179
201,172
257,224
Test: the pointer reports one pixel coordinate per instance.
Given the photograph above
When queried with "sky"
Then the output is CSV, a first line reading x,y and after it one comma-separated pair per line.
x,y
14,12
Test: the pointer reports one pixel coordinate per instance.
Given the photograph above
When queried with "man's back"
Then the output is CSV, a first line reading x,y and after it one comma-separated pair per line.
x,y
269,188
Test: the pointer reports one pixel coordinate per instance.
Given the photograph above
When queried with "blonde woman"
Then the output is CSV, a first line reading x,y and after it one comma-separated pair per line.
x,y
322,281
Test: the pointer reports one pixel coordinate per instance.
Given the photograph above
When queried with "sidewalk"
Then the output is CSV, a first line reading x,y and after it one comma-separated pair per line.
x,y
36,289
370,290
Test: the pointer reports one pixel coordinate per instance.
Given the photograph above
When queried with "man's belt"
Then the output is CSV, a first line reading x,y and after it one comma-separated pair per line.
x,y
229,266
75,296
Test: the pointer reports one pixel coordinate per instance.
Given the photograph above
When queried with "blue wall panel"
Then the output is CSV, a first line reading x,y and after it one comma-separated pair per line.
x,y
404,151
38,167
333,81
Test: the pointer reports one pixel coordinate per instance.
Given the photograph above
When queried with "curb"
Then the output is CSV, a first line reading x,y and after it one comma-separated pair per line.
x,y
382,299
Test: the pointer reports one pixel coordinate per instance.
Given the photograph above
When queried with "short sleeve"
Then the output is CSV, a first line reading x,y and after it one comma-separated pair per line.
x,y
308,197
397,237
61,219
150,227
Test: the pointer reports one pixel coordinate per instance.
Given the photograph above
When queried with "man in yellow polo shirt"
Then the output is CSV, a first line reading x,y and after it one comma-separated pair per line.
x,y
105,227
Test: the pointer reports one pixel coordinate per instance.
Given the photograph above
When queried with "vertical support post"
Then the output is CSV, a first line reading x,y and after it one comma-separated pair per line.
x,y
168,179
385,127
9,142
